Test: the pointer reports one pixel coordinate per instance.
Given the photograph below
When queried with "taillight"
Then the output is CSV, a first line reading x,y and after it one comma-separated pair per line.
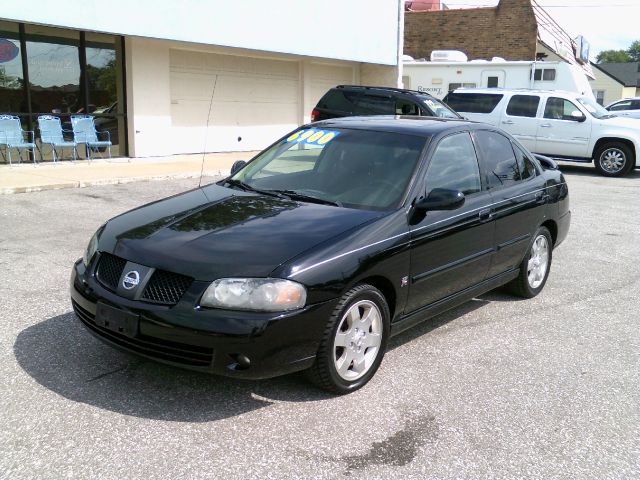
x,y
314,115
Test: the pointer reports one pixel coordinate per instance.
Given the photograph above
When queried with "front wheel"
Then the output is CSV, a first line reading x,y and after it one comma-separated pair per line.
x,y
613,159
534,269
354,341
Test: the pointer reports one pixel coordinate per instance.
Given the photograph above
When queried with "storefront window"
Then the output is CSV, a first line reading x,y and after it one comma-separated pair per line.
x,y
54,70
11,78
68,72
106,96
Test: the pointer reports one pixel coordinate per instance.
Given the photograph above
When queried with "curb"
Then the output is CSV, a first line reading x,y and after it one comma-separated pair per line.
x,y
111,181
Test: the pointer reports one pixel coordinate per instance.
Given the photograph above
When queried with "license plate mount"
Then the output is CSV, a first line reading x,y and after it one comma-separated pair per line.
x,y
117,320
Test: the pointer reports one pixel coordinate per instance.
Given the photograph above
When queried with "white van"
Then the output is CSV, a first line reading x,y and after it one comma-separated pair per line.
x,y
561,125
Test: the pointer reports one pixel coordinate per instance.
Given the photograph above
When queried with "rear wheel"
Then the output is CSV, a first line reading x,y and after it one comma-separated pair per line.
x,y
354,341
613,159
534,269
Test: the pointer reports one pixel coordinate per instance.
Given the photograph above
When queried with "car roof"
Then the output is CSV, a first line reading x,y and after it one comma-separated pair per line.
x,y
405,91
516,90
412,125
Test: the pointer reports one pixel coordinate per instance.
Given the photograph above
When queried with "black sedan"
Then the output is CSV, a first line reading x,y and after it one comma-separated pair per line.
x,y
333,239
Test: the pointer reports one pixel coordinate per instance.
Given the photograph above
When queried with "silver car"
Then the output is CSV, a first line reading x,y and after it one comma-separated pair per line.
x,y
627,107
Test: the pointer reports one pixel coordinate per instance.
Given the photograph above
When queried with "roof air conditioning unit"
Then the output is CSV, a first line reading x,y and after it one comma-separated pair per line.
x,y
448,56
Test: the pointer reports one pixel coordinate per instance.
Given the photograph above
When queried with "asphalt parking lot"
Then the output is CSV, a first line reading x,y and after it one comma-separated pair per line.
x,y
498,388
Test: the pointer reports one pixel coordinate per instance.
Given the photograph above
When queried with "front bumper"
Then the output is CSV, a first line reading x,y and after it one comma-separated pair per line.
x,y
209,340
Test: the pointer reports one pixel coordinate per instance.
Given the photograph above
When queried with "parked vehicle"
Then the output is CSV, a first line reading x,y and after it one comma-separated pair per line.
x,y
562,125
352,100
333,239
627,107
449,70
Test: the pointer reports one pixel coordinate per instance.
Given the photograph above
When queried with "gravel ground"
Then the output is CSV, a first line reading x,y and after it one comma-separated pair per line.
x,y
497,388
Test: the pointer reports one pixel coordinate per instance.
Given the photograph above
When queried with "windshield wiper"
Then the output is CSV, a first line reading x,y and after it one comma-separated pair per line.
x,y
308,198
248,188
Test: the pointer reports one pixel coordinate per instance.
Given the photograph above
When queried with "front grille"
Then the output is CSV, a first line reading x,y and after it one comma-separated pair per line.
x,y
166,288
173,352
109,270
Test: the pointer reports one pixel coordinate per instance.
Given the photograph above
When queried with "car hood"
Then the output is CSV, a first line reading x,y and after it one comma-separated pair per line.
x,y
626,122
215,232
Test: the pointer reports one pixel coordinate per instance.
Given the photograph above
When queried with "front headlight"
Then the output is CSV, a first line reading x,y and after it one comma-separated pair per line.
x,y
92,247
261,294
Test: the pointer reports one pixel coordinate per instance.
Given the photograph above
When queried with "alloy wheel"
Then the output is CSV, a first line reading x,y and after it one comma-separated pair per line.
x,y
538,261
357,340
613,160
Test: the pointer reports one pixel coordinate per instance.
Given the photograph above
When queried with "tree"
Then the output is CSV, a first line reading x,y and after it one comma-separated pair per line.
x,y
634,51
616,56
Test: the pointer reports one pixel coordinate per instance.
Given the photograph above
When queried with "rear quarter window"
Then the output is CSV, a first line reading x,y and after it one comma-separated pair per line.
x,y
339,100
473,102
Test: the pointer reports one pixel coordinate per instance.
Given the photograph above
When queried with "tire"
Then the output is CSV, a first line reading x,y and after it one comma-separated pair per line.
x,y
344,369
613,159
531,280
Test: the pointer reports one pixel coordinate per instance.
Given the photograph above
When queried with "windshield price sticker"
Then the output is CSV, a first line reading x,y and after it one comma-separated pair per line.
x,y
313,137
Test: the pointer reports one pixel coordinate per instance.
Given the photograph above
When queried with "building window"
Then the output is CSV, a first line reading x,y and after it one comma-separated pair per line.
x,y
67,72
453,86
492,82
599,94
545,74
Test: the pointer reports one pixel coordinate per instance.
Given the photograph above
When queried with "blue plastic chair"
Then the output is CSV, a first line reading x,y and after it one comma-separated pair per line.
x,y
51,133
84,131
13,136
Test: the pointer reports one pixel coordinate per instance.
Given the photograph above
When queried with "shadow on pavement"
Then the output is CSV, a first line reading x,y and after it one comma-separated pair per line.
x,y
61,356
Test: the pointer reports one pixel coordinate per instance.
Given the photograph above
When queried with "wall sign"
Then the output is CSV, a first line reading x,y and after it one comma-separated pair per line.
x,y
8,50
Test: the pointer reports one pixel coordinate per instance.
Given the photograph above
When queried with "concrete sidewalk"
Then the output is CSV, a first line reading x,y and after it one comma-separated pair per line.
x,y
27,177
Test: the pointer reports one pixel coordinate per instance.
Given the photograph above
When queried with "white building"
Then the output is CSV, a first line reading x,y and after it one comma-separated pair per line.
x,y
155,74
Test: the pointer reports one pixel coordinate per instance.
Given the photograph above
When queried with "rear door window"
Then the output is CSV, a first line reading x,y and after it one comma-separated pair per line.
x,y
405,107
526,167
375,105
339,100
473,102
498,158
523,106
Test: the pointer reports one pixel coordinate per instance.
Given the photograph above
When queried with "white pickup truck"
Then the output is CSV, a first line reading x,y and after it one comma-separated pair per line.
x,y
561,125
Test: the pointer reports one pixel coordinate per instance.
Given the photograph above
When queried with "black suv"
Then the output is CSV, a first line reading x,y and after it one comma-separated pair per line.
x,y
350,100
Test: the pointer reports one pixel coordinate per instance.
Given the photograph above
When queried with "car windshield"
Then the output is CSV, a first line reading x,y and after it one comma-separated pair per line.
x,y
344,167
438,108
594,108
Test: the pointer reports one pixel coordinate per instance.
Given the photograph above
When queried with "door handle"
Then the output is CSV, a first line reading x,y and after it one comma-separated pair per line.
x,y
485,214
508,122
545,125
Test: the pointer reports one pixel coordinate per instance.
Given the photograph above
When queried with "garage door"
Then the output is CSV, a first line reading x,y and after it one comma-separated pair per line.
x,y
255,101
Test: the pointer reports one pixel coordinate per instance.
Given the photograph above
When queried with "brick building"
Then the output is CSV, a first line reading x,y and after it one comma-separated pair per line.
x,y
513,30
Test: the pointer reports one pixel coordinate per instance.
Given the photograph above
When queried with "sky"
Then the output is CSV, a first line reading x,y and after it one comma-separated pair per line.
x,y
606,24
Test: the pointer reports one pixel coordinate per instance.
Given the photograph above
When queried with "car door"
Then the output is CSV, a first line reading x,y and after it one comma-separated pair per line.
x,y
518,197
560,133
520,119
451,250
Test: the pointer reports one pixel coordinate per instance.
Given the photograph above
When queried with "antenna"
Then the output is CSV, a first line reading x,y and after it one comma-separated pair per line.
x,y
206,130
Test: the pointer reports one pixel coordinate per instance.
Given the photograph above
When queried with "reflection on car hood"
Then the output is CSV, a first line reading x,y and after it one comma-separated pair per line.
x,y
217,232
627,122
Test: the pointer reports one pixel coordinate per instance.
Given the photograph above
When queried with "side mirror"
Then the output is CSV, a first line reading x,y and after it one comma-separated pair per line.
x,y
237,166
578,116
441,199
